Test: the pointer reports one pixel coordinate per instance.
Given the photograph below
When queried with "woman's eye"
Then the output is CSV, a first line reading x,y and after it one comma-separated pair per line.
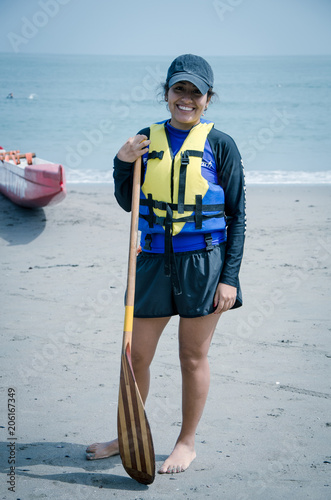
x,y
181,88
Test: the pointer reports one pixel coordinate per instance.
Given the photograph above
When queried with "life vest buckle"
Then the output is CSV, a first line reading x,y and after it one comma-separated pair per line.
x,y
148,242
155,155
185,158
209,241
160,205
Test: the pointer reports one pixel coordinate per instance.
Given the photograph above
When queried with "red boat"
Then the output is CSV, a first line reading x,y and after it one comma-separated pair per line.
x,y
29,181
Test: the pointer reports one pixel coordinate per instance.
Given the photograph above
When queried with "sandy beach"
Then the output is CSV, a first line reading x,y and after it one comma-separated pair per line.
x,y
266,429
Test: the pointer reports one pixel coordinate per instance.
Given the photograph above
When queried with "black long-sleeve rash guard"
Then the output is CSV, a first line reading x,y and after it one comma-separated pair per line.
x,y
230,177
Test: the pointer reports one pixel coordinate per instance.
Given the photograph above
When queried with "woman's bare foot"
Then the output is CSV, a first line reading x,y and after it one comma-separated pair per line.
x,y
179,460
102,450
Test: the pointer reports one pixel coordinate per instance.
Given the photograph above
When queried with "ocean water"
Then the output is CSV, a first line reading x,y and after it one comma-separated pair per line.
x,y
79,110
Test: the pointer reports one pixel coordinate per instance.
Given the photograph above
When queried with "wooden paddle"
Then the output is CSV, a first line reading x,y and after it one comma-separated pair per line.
x,y
134,434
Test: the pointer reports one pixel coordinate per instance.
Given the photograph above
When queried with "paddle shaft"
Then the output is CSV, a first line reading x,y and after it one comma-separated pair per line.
x,y
131,278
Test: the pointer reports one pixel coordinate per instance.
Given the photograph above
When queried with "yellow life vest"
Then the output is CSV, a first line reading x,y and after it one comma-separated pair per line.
x,y
175,182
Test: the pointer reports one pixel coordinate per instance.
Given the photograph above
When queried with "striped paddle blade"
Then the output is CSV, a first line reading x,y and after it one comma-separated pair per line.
x,y
134,434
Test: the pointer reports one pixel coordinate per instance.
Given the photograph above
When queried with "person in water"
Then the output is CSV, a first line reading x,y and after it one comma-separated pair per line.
x,y
192,223
10,96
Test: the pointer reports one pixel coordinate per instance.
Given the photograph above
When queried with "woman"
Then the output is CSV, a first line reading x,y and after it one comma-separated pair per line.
x,y
192,222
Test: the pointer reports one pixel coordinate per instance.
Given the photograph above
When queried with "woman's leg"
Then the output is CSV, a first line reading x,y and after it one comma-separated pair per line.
x,y
195,335
145,337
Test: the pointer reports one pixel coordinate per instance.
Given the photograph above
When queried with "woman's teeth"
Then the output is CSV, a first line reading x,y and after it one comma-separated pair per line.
x,y
185,108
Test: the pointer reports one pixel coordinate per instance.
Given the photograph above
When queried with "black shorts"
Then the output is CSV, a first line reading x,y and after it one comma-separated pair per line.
x,y
198,273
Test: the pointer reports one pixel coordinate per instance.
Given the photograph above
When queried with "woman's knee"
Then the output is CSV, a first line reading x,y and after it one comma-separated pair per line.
x,y
191,360
140,359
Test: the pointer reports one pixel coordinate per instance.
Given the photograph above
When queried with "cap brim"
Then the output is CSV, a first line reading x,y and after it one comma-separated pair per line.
x,y
187,77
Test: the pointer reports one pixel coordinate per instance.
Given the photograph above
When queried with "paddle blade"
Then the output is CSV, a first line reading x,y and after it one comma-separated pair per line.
x,y
134,434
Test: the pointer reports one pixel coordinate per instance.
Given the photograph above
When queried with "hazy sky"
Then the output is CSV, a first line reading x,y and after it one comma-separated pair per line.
x,y
205,27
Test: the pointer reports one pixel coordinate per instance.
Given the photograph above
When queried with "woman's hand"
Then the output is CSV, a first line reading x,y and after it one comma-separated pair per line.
x,y
224,298
133,148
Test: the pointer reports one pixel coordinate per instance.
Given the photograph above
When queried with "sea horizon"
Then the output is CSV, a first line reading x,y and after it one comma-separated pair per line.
x,y
77,110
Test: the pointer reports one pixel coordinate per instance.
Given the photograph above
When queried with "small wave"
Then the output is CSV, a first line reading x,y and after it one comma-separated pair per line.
x,y
89,176
32,96
287,177
252,177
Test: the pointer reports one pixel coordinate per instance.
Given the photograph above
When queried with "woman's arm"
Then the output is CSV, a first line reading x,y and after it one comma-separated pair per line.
x,y
231,178
123,167
123,177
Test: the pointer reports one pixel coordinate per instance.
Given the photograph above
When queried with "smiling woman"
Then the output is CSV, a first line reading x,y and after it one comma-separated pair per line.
x,y
192,223
188,98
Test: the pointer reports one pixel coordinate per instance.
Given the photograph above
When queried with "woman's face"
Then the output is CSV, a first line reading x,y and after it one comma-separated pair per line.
x,y
186,105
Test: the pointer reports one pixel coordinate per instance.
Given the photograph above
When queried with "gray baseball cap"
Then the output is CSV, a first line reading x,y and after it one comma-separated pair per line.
x,y
191,68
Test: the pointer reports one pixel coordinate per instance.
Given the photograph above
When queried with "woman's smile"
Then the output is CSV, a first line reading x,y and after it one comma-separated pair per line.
x,y
185,108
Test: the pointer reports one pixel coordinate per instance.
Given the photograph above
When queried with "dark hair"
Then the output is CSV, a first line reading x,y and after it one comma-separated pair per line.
x,y
165,89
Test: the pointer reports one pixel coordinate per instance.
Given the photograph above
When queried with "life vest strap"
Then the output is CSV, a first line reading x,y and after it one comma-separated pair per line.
x,y
162,205
198,212
192,218
185,160
193,152
168,242
209,241
189,218
150,210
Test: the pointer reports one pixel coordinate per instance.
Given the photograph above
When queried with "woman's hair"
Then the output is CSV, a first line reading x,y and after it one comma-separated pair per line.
x,y
165,89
